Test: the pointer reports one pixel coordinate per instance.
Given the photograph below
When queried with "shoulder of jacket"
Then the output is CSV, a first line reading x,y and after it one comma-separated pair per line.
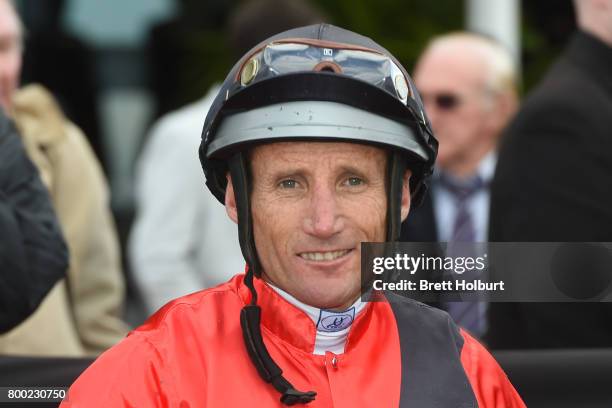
x,y
38,114
425,317
224,295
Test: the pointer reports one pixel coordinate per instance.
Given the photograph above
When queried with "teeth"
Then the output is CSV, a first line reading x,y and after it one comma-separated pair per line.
x,y
323,256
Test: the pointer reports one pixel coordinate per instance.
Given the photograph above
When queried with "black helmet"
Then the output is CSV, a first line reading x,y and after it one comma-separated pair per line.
x,y
318,82
322,83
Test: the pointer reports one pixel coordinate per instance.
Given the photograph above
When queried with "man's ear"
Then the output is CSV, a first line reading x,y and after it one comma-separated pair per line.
x,y
406,195
230,200
505,107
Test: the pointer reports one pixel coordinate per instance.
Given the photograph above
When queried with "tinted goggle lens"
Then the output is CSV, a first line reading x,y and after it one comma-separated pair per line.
x,y
284,58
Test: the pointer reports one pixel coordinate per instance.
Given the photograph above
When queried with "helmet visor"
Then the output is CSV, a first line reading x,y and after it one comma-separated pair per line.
x,y
314,120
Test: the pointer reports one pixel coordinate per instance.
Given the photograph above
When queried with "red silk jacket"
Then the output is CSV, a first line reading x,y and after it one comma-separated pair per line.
x,y
191,354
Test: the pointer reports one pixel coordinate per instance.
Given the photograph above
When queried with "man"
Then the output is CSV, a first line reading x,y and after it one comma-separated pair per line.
x,y
33,254
80,315
315,144
552,183
468,86
178,246
181,246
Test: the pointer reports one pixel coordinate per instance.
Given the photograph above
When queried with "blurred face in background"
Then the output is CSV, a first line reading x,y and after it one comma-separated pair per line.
x,y
595,17
10,53
465,114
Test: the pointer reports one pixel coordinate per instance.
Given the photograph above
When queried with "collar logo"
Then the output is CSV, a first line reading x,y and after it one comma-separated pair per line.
x,y
330,322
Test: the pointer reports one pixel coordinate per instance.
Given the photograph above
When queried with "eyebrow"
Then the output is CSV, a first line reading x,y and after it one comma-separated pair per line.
x,y
353,170
301,171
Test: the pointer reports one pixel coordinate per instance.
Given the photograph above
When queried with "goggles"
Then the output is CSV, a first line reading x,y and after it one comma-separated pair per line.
x,y
291,56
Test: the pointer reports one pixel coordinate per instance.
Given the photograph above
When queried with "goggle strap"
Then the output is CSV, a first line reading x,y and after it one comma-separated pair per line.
x,y
397,168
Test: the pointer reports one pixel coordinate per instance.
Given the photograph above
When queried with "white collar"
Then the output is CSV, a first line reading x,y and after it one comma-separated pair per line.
x,y
332,327
486,167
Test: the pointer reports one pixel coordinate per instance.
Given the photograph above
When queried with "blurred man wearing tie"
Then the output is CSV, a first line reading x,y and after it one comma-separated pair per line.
x,y
468,85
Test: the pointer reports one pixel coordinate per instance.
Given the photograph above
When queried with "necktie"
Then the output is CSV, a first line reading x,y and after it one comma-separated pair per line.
x,y
470,315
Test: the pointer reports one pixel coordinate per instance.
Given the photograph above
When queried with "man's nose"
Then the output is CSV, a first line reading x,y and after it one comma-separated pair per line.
x,y
323,219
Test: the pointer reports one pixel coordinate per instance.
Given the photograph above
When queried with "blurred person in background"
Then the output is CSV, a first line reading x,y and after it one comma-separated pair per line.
x,y
33,254
552,183
181,49
57,59
468,83
81,315
182,241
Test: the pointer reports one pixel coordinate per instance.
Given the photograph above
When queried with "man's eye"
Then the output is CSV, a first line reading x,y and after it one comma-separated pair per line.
x,y
288,184
354,181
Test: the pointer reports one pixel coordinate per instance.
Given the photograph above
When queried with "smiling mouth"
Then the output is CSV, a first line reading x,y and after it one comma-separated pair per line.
x,y
323,256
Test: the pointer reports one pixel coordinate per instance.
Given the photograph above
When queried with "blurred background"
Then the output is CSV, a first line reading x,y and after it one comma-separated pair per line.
x,y
137,60
117,66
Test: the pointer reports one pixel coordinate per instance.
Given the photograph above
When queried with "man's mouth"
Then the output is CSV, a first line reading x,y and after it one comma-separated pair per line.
x,y
323,256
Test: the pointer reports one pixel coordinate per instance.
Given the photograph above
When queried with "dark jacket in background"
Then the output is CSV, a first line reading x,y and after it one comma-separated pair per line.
x,y
33,255
554,183
420,226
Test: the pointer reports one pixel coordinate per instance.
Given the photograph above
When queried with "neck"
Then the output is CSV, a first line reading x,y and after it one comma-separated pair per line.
x,y
335,308
463,169
596,24
601,34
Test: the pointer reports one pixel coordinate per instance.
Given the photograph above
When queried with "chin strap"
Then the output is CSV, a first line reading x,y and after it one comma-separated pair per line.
x,y
250,316
270,372
395,184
